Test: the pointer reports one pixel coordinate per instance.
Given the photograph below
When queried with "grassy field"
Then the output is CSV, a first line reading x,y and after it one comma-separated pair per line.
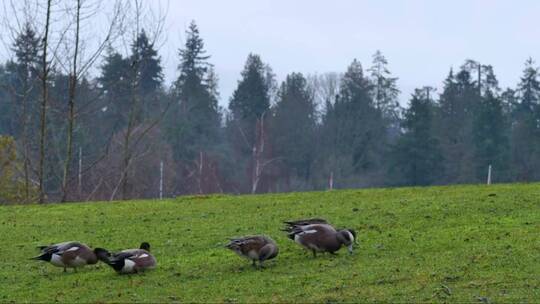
x,y
440,244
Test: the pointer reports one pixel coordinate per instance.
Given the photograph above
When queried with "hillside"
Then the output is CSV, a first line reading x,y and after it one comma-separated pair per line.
x,y
459,243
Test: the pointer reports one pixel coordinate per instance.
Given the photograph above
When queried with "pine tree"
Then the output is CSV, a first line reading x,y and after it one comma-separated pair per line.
x,y
247,126
251,98
355,132
147,65
525,129
490,129
19,106
27,48
22,81
416,156
194,123
454,127
293,126
115,83
385,91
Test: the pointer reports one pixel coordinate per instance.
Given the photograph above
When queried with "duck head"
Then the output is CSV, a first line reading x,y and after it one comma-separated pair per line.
x,y
145,246
347,237
102,254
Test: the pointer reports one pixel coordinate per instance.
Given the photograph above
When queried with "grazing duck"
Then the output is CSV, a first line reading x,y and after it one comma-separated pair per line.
x,y
322,238
303,222
67,254
129,260
255,248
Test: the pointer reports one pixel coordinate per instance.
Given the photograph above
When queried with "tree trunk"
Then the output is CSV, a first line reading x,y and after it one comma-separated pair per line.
x,y
71,105
43,114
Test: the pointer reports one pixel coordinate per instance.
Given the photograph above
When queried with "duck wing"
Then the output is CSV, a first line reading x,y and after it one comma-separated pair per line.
x,y
304,222
60,248
290,225
248,243
311,231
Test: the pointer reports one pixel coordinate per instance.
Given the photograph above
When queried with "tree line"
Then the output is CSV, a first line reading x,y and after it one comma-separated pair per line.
x,y
123,133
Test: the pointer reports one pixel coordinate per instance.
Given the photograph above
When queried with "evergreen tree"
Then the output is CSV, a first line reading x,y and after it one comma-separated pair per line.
x,y
355,132
247,129
454,127
385,92
525,128
194,123
19,100
115,83
21,89
490,129
293,126
27,48
251,98
147,65
416,156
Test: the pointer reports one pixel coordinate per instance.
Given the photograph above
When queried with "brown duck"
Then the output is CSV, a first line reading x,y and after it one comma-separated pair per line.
x,y
129,260
255,248
67,255
322,238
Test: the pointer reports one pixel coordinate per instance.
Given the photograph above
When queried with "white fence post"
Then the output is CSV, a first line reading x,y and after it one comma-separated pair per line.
x,y
489,175
161,180
80,172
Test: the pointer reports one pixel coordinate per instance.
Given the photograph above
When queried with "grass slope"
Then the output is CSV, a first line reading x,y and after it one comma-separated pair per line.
x,y
461,243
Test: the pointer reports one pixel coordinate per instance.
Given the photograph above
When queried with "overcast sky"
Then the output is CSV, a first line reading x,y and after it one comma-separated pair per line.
x,y
421,39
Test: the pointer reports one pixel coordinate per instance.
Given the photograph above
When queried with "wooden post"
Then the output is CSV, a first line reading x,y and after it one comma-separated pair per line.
x,y
489,175
161,180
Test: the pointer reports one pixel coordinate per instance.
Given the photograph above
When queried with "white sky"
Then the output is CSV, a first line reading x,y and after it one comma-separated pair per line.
x,y
421,39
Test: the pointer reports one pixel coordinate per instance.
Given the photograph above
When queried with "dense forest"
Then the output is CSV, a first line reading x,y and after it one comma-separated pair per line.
x,y
118,131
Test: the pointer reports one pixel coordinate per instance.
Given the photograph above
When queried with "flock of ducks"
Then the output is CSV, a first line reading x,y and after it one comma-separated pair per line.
x,y
316,235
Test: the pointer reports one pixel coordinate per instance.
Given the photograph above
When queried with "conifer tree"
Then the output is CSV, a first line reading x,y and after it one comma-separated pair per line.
x,y
525,129
355,131
193,125
293,126
385,91
490,129
416,156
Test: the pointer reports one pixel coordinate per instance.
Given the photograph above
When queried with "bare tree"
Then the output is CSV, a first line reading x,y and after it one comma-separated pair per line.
x,y
132,139
259,154
75,73
45,98
325,87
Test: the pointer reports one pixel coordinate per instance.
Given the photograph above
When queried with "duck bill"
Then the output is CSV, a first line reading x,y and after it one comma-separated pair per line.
x,y
350,249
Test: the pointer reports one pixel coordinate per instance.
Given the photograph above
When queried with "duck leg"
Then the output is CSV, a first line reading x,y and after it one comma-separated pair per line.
x,y
314,253
65,270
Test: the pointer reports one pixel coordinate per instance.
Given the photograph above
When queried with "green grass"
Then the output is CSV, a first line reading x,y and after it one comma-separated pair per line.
x,y
439,244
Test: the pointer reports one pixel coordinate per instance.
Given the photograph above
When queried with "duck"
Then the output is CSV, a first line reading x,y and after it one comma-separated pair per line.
x,y
70,254
128,261
322,238
255,248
